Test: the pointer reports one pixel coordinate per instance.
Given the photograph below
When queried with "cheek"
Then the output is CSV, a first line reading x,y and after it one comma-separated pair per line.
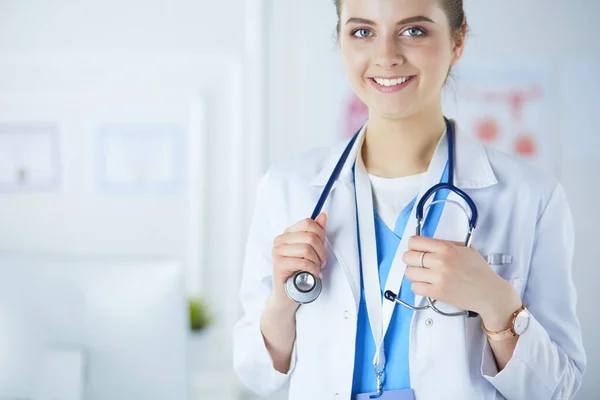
x,y
355,62
433,60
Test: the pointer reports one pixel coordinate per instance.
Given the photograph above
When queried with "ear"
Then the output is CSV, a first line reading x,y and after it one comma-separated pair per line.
x,y
459,43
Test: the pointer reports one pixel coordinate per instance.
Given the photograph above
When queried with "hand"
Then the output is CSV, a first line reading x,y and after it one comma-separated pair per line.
x,y
300,248
459,276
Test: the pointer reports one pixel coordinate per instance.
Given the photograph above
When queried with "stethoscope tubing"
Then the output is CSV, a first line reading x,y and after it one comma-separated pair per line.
x,y
305,297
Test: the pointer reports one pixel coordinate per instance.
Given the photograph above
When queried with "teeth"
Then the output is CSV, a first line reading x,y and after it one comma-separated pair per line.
x,y
391,82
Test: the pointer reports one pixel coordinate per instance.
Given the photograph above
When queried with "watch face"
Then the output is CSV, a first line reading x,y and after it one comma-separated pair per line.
x,y
521,322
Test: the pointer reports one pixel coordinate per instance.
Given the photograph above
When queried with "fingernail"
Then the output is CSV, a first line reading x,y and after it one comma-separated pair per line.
x,y
324,264
320,275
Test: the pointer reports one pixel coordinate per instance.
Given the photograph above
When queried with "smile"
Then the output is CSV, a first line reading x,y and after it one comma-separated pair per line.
x,y
391,84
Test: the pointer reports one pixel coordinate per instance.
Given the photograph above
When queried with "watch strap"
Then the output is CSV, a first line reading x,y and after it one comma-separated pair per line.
x,y
507,333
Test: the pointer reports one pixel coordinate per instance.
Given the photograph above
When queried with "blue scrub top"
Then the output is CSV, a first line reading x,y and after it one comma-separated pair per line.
x,y
396,342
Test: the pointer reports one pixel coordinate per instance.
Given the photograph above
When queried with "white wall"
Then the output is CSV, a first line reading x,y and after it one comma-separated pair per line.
x,y
135,25
305,75
185,61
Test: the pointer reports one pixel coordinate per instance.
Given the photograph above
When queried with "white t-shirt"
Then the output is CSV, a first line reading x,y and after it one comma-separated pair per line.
x,y
391,195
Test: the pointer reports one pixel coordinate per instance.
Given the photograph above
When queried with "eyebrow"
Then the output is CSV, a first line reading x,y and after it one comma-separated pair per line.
x,y
405,21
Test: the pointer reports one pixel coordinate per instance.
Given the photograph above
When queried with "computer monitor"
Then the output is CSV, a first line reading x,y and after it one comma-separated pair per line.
x,y
129,318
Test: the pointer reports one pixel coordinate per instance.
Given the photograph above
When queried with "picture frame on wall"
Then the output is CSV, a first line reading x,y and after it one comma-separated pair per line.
x,y
29,157
140,158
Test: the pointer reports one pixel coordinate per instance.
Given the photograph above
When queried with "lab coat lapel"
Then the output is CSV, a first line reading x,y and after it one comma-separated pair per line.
x,y
341,234
341,231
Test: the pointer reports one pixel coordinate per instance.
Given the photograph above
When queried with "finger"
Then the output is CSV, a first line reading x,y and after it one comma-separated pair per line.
x,y
299,250
423,275
413,259
422,289
462,244
290,265
428,245
307,225
303,238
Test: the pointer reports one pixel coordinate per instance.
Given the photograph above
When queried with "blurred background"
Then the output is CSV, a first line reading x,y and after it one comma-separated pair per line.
x,y
133,133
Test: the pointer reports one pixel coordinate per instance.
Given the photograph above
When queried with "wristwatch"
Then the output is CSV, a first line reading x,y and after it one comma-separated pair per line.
x,y
518,325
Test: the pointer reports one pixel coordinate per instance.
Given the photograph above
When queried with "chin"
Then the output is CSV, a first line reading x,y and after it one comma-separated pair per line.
x,y
393,112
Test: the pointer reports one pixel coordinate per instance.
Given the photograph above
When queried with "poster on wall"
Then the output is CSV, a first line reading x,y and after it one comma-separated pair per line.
x,y
29,159
140,158
508,108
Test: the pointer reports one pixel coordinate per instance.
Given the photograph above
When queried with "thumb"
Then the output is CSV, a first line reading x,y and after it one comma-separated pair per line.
x,y
459,244
321,220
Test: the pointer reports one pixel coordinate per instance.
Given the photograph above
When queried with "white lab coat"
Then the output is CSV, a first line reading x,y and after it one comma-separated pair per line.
x,y
522,212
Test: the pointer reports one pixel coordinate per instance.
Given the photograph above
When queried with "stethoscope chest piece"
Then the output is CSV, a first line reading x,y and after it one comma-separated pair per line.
x,y
303,287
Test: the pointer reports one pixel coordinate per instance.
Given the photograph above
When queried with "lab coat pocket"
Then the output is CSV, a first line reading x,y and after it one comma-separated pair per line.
x,y
507,272
511,274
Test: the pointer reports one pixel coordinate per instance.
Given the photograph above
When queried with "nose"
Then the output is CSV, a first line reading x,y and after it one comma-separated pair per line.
x,y
388,53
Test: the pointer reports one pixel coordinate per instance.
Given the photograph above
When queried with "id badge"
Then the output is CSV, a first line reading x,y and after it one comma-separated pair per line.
x,y
402,394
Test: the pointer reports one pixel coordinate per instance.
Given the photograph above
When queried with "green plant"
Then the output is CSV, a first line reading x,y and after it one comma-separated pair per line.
x,y
200,317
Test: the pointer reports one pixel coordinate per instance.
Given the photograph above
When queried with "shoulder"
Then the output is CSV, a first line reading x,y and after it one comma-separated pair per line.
x,y
525,181
512,179
303,167
286,190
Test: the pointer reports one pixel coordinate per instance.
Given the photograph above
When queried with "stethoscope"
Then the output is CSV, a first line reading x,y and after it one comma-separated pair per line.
x,y
303,287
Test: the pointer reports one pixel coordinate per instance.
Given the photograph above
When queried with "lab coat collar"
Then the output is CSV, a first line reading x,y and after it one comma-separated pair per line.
x,y
472,166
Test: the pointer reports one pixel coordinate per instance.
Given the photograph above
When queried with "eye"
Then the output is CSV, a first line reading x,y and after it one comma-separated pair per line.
x,y
413,32
361,33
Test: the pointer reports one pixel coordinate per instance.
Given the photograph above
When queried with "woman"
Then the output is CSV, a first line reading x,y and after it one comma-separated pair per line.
x,y
524,341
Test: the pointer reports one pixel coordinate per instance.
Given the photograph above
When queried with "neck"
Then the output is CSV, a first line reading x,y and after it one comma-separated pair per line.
x,y
401,147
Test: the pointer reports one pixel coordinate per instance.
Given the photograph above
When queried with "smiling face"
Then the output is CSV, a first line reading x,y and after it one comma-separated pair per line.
x,y
397,54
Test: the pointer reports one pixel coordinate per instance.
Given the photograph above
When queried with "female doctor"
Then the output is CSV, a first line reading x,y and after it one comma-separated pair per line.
x,y
520,338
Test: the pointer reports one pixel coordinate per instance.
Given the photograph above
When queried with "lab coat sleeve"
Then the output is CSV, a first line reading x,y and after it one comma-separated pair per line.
x,y
252,361
549,359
